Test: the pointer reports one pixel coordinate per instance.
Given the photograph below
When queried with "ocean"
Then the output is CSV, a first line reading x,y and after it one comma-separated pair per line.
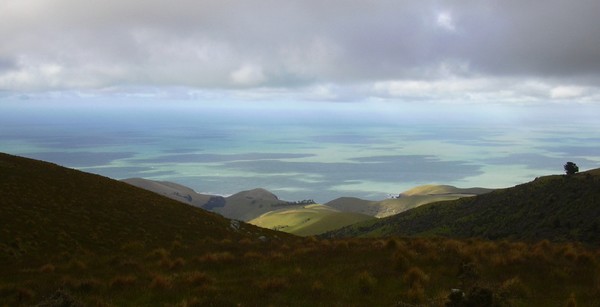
x,y
298,151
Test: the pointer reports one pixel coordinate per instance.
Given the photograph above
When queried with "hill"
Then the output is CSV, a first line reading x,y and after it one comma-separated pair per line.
x,y
247,205
51,215
407,200
243,206
308,220
172,190
68,238
558,208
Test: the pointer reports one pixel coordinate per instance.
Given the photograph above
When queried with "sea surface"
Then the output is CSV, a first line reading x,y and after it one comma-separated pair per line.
x,y
300,151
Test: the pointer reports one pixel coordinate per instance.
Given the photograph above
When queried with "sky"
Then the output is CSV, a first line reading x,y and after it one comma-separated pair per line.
x,y
333,96
510,52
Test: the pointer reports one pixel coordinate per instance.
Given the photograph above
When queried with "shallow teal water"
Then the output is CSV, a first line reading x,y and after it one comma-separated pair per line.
x,y
302,153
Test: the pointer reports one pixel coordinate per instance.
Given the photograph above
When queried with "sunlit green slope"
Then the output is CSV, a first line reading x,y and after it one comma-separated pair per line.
x,y
308,220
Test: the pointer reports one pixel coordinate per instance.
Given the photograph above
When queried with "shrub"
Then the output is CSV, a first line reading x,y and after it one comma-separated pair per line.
x,y
391,244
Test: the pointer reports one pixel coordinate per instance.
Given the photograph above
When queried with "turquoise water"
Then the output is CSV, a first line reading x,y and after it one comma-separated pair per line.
x,y
318,152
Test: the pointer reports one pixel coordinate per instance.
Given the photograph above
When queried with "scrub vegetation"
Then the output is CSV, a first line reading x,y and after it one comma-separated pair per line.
x,y
68,238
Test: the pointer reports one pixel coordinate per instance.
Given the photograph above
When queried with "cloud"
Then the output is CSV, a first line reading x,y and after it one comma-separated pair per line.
x,y
445,21
561,92
301,45
248,75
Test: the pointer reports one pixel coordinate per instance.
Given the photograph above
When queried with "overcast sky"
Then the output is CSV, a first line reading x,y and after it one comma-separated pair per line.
x,y
504,51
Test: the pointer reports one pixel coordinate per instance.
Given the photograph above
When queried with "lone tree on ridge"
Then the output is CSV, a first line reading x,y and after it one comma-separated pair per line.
x,y
571,168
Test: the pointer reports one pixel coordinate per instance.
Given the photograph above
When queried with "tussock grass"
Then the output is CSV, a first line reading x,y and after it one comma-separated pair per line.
x,y
122,282
161,282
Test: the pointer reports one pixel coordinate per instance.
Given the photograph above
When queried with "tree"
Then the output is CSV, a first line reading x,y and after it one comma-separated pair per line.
x,y
571,168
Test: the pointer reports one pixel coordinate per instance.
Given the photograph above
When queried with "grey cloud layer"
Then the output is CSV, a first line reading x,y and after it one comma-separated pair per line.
x,y
66,44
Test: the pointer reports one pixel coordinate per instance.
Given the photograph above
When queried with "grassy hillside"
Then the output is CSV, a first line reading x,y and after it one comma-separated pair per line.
x,y
172,190
558,208
308,220
413,198
68,238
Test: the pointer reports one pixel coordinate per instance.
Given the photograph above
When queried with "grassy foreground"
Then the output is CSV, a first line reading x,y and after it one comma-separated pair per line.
x,y
310,272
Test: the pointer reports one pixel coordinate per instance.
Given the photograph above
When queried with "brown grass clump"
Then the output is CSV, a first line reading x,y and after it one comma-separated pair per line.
x,y
198,278
161,282
391,244
400,261
513,289
366,282
416,294
571,302
159,253
415,276
130,265
77,264
122,281
47,268
191,302
172,264
276,256
133,246
253,256
245,241
216,257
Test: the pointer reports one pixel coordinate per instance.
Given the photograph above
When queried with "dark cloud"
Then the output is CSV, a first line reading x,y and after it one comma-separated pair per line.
x,y
324,48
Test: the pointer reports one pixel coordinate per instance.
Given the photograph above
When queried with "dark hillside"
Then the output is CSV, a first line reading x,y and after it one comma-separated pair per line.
x,y
49,208
558,208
